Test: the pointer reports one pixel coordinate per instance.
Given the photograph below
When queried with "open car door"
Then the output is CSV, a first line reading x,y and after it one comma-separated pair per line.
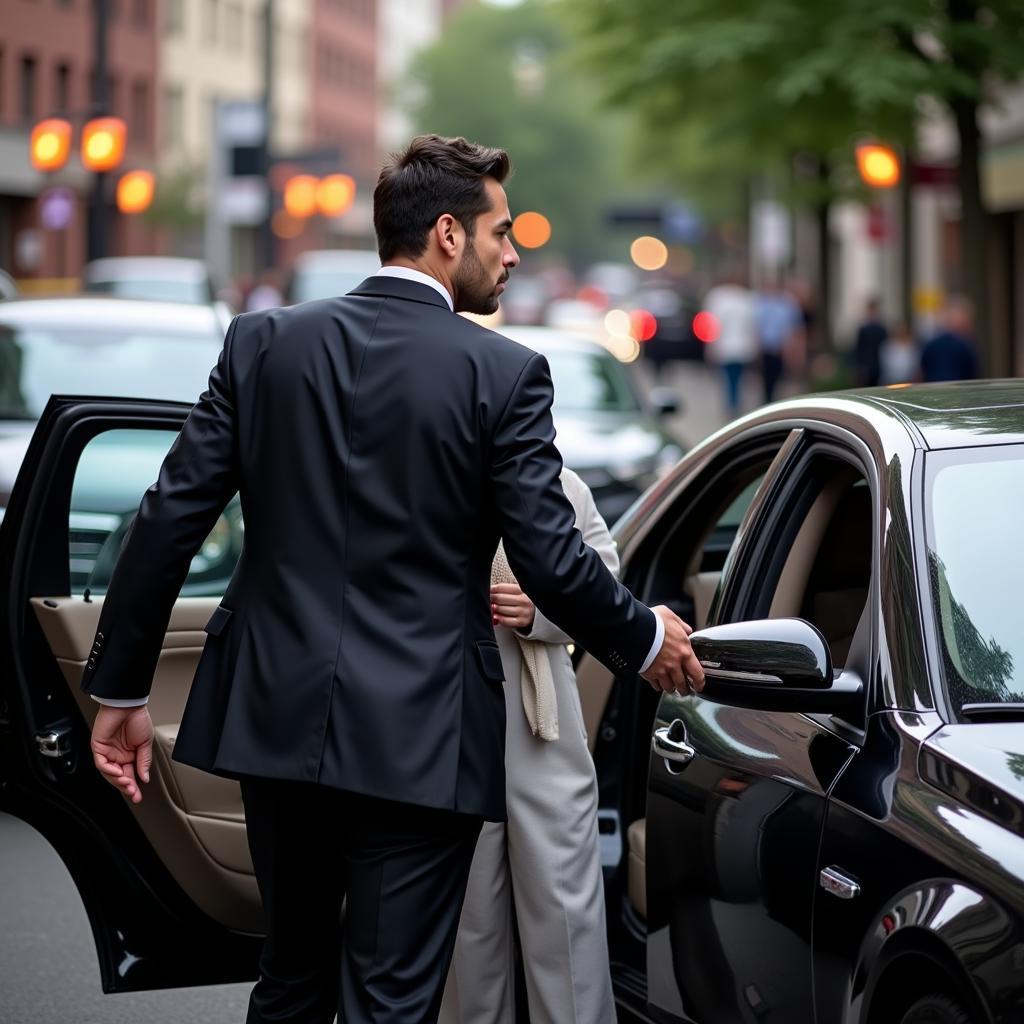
x,y
168,883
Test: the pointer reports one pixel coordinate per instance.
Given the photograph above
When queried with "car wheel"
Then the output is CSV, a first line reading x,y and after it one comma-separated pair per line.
x,y
936,1010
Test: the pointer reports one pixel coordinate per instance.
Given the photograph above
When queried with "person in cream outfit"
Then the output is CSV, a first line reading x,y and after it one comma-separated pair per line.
x,y
545,860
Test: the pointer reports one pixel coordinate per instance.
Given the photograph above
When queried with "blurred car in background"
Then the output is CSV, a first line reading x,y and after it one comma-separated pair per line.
x,y
321,273
606,432
8,289
671,334
161,278
101,346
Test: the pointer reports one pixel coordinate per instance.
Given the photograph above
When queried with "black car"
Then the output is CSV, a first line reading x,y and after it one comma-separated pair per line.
x,y
833,832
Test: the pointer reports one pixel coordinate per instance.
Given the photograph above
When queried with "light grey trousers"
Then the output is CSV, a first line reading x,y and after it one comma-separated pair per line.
x,y
545,859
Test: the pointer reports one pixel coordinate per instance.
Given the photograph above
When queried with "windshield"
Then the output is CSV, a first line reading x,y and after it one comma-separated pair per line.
x,y
976,562
157,290
39,361
590,382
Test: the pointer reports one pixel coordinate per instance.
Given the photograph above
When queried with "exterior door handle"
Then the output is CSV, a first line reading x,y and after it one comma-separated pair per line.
x,y
670,743
833,880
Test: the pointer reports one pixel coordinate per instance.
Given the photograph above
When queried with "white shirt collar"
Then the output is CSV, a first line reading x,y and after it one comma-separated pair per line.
x,y
408,274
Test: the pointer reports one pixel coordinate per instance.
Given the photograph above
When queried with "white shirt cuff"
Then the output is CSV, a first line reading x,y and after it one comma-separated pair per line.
x,y
659,639
135,702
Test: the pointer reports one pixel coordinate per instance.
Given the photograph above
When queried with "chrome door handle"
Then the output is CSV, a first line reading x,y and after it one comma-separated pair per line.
x,y
670,743
834,881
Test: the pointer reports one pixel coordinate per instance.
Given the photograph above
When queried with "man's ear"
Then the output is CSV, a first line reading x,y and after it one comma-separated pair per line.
x,y
448,232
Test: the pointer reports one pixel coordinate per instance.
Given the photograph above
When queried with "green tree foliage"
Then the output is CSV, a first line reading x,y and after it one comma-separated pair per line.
x,y
504,77
752,82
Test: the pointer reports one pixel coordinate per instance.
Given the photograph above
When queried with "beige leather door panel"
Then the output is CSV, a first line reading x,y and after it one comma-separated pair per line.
x,y
194,821
595,684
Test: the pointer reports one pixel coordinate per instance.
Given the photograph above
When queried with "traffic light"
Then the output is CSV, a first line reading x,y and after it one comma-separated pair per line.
x,y
135,191
300,196
50,144
879,166
335,194
103,141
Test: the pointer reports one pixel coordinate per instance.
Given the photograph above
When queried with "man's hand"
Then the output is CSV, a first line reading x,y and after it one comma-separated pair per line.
x,y
122,748
511,607
675,668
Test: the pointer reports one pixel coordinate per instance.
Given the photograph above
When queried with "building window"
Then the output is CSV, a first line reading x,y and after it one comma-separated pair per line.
x,y
173,120
174,23
62,88
28,89
140,113
211,15
233,25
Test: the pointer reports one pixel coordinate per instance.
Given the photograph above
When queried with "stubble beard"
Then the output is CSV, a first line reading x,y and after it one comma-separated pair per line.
x,y
474,289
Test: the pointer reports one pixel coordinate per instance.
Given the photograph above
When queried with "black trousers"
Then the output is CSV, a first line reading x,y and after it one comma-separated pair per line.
x,y
402,871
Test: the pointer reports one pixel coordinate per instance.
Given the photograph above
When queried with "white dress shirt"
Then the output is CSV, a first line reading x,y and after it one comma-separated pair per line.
x,y
407,274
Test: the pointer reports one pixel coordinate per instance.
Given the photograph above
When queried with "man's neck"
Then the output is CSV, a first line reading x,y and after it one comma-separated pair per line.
x,y
424,266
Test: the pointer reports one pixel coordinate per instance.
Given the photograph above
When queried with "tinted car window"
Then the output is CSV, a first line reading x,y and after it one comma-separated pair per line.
x,y
39,361
160,290
590,382
113,473
976,563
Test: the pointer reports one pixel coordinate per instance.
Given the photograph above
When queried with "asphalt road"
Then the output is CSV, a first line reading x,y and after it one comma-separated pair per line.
x,y
48,971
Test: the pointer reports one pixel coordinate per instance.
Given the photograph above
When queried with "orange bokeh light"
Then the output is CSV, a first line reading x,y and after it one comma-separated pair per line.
x,y
103,140
649,253
50,145
335,194
531,230
300,196
135,191
879,166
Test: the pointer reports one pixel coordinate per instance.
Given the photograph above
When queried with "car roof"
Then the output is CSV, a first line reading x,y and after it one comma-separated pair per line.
x,y
178,267
552,339
342,258
100,310
962,414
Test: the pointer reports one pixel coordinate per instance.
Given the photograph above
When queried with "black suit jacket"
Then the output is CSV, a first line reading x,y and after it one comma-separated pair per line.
x,y
380,445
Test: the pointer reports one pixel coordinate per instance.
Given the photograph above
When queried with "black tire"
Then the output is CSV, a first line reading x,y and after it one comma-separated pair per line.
x,y
936,1010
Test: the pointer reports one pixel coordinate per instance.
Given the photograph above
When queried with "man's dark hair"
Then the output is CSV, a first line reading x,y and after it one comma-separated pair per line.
x,y
433,176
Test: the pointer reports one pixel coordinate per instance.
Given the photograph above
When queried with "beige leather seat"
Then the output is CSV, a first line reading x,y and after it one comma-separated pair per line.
x,y
637,888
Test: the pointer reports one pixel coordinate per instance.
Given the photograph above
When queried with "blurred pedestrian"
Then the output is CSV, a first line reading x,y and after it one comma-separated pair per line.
x,y
900,357
733,308
266,294
951,354
779,325
539,873
871,336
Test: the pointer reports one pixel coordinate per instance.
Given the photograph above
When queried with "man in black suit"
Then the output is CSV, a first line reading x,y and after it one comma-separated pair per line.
x,y
350,679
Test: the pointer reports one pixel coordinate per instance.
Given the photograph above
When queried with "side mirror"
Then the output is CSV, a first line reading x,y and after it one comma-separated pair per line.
x,y
665,401
773,665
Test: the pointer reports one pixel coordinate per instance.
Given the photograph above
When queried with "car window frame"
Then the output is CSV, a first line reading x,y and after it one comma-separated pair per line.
x,y
831,441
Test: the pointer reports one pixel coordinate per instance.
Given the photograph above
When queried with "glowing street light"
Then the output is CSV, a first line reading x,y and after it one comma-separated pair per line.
x,y
50,144
879,166
649,253
103,140
300,196
135,191
335,194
